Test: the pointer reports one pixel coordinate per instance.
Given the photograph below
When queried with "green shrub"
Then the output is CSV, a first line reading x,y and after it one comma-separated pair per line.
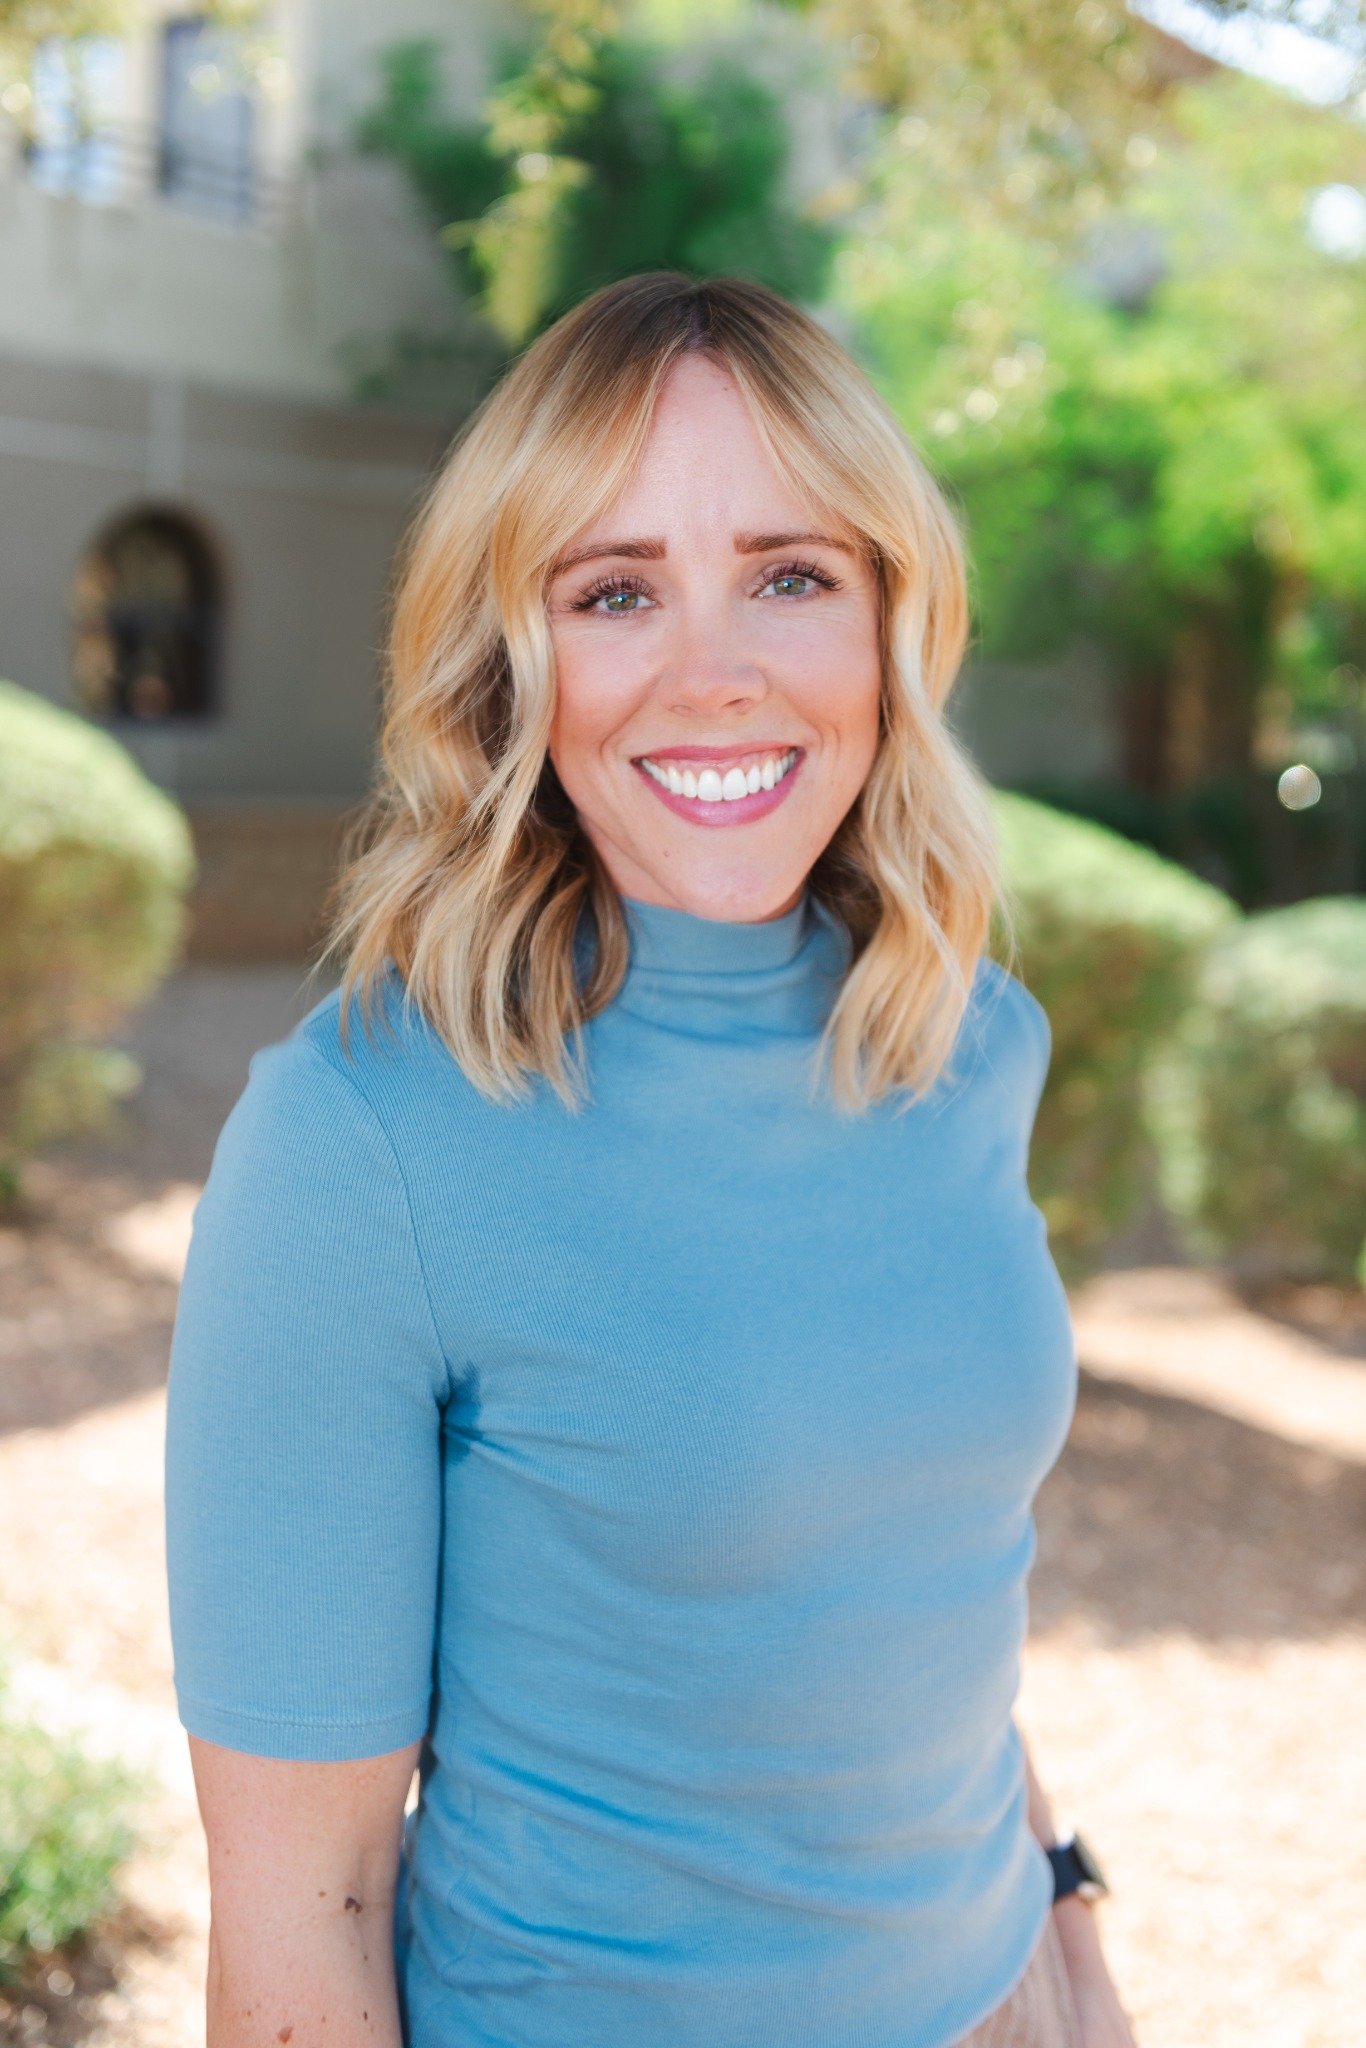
x,y
1111,937
66,1825
1261,1099
95,863
640,169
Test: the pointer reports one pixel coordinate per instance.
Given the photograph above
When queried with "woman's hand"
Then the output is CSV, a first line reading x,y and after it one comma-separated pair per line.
x,y
1102,2020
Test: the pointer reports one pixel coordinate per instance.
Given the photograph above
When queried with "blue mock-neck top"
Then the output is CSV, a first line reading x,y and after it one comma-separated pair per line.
x,y
665,1468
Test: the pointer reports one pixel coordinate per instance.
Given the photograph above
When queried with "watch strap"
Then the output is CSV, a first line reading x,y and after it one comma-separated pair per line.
x,y
1075,1869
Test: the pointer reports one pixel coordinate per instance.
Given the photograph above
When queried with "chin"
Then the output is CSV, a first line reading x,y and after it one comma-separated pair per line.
x,y
734,898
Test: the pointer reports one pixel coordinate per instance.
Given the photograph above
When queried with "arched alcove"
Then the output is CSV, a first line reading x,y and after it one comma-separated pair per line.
x,y
146,603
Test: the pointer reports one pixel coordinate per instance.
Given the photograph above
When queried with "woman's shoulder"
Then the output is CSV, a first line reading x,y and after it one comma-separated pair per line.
x,y
995,987
1008,1029
321,1087
370,1040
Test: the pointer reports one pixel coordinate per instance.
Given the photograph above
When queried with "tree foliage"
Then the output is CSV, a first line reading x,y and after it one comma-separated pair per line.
x,y
593,159
1177,470
1032,114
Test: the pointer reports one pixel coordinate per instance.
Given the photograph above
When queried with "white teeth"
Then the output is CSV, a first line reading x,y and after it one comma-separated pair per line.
x,y
708,785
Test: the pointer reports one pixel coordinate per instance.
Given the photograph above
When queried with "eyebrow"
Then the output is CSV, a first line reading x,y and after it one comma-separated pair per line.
x,y
656,550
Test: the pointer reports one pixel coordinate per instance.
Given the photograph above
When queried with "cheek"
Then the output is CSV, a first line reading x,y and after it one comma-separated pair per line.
x,y
595,696
581,703
836,679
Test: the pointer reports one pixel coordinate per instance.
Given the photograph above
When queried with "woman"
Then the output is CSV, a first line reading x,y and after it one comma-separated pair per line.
x,y
615,1378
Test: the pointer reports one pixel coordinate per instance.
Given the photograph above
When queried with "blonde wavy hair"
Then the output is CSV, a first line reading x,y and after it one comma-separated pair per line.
x,y
467,867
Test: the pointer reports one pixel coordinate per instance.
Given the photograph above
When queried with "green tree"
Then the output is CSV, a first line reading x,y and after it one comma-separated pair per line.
x,y
1179,471
593,160
1034,113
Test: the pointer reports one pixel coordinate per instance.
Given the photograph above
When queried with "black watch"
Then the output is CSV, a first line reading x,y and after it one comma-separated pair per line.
x,y
1075,1869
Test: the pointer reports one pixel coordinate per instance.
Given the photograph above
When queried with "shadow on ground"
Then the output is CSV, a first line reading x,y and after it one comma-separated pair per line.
x,y
1163,1514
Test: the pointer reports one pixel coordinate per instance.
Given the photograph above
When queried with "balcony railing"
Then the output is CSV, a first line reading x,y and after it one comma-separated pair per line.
x,y
127,165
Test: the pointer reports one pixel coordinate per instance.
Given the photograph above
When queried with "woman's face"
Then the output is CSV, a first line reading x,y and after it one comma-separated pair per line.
x,y
708,642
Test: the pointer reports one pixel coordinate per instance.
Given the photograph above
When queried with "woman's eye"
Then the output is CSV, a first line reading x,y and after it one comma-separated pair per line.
x,y
620,598
800,572
617,599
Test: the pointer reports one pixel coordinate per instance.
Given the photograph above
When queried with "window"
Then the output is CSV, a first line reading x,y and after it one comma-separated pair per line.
x,y
208,122
78,85
146,605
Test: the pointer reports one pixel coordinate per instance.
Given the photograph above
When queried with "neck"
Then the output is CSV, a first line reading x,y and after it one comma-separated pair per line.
x,y
717,977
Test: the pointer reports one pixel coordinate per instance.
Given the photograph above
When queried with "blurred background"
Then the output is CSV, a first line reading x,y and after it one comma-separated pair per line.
x,y
1108,265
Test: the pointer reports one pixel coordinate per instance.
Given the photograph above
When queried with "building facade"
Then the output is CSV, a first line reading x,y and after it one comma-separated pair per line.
x,y
198,518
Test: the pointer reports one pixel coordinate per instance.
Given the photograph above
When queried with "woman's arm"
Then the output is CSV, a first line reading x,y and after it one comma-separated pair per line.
x,y
302,1864
303,1537
1104,2023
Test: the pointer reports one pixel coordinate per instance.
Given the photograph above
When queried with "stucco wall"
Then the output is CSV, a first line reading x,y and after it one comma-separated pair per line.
x,y
302,506
339,259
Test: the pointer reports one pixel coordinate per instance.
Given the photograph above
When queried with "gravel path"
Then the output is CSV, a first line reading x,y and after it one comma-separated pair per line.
x,y
1197,1659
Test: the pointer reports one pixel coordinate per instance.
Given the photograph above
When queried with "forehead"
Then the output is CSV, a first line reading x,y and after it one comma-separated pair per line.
x,y
704,472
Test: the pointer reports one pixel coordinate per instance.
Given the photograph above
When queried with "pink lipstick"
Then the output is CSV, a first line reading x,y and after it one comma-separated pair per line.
x,y
716,761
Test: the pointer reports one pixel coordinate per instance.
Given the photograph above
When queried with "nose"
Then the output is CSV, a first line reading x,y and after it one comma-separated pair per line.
x,y
708,676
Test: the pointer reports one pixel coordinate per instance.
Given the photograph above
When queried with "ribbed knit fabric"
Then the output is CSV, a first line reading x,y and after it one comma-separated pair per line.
x,y
669,1467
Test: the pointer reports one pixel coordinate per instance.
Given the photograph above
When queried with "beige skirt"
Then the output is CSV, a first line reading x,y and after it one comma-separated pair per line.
x,y
1039,2012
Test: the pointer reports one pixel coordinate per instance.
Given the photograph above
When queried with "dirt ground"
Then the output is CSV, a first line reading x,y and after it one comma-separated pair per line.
x,y
1196,1668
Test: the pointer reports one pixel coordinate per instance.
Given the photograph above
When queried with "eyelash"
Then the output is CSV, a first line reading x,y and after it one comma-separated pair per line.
x,y
626,583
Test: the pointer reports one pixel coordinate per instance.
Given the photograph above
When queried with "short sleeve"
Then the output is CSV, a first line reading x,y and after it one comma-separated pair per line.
x,y
1040,1032
303,1431
1016,1044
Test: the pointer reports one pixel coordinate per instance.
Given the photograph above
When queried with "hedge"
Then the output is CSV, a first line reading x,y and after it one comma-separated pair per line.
x,y
95,866
1111,938
1261,1098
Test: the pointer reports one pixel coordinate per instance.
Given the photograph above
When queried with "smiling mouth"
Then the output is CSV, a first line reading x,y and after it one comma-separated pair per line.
x,y
708,783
